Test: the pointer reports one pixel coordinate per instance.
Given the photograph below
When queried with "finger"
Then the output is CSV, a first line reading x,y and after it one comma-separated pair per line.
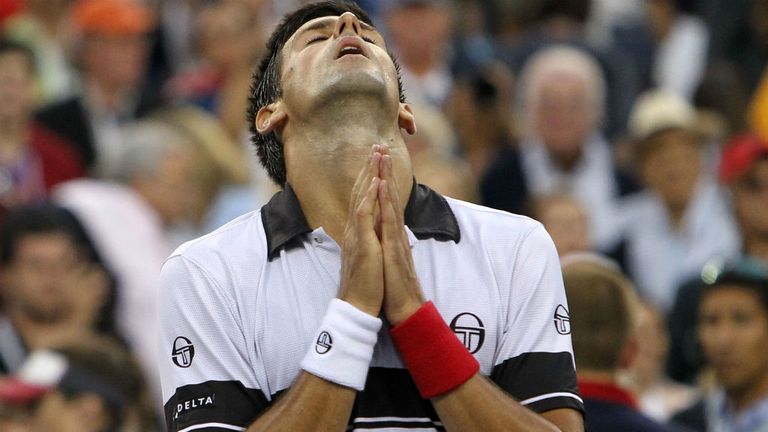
x,y
394,193
364,211
366,173
389,225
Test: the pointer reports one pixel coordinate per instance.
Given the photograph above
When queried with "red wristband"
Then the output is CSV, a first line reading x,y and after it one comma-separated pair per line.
x,y
437,361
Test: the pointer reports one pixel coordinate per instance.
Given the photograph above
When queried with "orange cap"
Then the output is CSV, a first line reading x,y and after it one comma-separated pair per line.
x,y
113,17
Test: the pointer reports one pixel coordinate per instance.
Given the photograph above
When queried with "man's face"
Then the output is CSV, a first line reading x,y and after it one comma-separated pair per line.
x,y
334,57
733,330
117,62
16,87
672,167
563,114
750,197
35,282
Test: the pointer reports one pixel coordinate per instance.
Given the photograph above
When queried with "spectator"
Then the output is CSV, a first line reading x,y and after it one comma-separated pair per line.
x,y
681,221
53,287
562,150
112,54
479,111
131,224
603,343
424,55
86,386
32,159
744,170
564,22
658,396
230,38
733,331
681,47
44,26
565,219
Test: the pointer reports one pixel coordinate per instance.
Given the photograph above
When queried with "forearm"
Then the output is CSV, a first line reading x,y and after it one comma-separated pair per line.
x,y
312,404
479,405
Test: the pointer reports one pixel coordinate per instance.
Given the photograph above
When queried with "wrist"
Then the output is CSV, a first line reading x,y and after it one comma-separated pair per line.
x,y
433,355
342,349
371,309
402,313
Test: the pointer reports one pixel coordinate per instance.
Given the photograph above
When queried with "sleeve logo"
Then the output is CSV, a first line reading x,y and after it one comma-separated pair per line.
x,y
470,331
562,320
324,342
183,352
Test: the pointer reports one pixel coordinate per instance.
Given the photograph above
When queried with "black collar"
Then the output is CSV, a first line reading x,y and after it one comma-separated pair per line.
x,y
427,214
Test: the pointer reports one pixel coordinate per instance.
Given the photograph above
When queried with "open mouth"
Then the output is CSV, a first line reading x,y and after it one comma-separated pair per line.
x,y
349,50
350,46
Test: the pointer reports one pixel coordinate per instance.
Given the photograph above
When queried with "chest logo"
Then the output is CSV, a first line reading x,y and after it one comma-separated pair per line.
x,y
324,342
470,331
562,320
183,352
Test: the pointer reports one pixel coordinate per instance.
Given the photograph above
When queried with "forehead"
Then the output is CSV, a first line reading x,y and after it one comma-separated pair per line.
x,y
726,295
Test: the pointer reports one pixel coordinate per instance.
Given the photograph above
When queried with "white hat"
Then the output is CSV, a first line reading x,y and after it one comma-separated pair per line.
x,y
658,110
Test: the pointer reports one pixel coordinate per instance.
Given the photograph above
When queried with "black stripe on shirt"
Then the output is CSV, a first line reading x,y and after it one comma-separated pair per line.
x,y
391,392
228,402
539,373
374,425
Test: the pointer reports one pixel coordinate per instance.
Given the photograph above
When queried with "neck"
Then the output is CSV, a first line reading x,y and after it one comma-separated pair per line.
x,y
323,162
13,136
744,398
105,96
756,246
600,377
676,214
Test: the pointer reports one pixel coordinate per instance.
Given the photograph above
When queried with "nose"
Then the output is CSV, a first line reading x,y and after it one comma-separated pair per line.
x,y
347,24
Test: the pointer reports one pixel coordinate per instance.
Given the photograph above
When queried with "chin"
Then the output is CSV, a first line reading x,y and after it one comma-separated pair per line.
x,y
358,82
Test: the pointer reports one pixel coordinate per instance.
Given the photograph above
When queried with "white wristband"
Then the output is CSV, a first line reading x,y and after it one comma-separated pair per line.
x,y
343,346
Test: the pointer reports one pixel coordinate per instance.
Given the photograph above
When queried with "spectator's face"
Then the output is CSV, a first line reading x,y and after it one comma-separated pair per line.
x,y
751,200
566,222
16,88
671,167
563,115
81,413
733,330
230,35
116,62
419,31
172,190
36,281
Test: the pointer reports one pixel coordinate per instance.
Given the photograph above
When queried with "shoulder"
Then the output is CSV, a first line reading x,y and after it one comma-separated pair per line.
x,y
490,225
240,245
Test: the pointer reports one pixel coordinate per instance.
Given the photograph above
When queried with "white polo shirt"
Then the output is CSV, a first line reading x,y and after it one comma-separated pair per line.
x,y
240,307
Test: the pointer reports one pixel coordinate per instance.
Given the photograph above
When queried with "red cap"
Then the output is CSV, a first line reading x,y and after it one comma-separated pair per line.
x,y
113,17
40,373
739,155
15,391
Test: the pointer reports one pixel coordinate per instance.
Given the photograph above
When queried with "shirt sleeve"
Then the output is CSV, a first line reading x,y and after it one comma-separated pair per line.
x,y
205,364
535,361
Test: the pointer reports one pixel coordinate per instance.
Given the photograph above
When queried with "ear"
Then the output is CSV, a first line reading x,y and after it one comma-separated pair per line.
x,y
630,351
271,118
405,119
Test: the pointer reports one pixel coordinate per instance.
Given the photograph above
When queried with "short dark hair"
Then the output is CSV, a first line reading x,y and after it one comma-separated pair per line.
x,y
747,273
10,46
36,219
266,86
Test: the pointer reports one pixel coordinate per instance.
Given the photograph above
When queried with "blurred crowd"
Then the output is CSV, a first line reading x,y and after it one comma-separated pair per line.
x,y
636,131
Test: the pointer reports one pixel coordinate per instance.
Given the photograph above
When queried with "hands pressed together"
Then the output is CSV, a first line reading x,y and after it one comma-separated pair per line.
x,y
377,269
